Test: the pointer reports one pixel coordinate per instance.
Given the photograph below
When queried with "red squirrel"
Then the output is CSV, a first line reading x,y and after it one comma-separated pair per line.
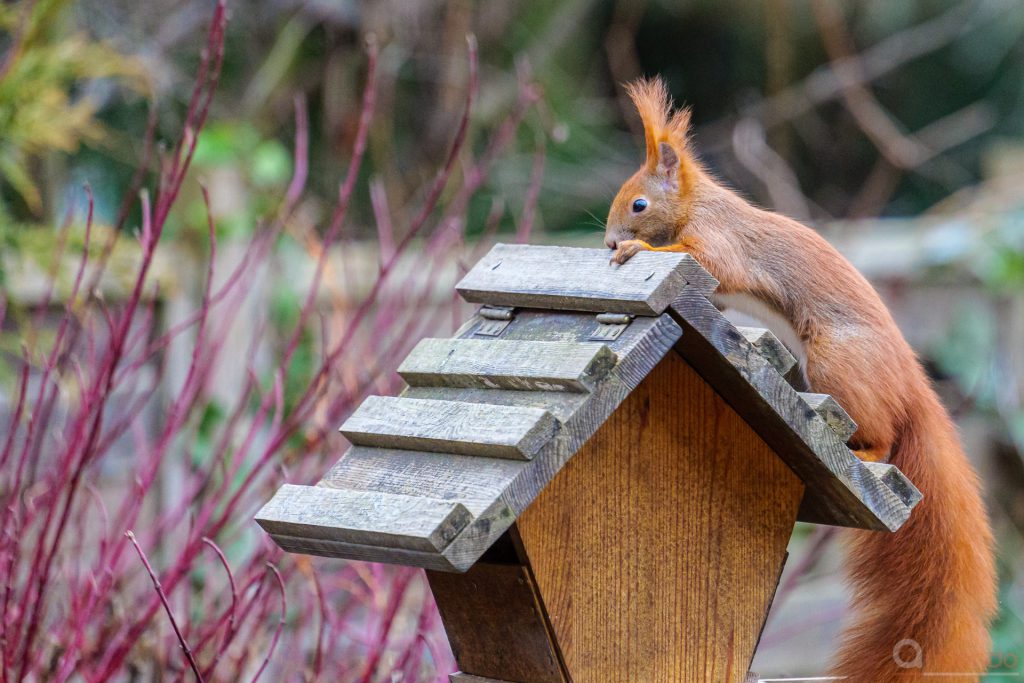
x,y
933,582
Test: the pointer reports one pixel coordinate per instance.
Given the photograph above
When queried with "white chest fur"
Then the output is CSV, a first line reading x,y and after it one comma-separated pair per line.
x,y
767,316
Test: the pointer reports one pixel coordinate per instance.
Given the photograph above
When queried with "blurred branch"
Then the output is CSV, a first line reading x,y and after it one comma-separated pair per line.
x,y
938,136
14,49
899,148
620,48
753,152
823,85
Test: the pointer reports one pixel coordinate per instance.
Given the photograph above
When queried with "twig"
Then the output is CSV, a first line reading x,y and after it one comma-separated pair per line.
x,y
532,193
167,607
301,172
898,147
280,622
752,151
884,57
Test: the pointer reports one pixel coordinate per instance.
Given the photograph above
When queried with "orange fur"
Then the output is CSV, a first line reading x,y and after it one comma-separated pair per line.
x,y
934,580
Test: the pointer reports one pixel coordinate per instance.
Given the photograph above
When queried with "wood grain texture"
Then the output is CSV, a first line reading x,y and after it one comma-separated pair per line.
x,y
366,553
894,479
476,483
771,347
567,278
839,490
459,677
494,490
658,547
507,364
832,413
483,429
496,624
384,519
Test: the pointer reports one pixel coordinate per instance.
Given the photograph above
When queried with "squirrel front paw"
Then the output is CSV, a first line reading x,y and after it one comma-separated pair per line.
x,y
627,250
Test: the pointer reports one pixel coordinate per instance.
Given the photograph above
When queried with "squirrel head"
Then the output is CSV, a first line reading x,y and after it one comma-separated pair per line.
x,y
653,205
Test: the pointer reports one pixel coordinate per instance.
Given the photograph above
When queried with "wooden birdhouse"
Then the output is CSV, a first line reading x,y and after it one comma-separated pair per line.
x,y
599,472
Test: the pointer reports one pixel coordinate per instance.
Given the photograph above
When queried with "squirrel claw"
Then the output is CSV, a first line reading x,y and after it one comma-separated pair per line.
x,y
626,251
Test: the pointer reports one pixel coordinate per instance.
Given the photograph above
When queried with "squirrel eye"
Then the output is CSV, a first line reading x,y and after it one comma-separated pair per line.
x,y
639,205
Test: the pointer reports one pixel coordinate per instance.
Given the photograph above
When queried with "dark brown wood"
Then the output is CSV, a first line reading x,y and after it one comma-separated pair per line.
x,y
657,548
496,624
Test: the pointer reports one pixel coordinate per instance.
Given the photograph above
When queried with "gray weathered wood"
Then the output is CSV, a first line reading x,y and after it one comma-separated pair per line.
x,y
366,553
769,346
839,490
833,414
477,483
482,429
495,490
360,517
459,677
507,364
895,480
567,278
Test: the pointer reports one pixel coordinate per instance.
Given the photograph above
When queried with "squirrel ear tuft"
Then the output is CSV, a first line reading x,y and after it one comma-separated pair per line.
x,y
678,127
652,103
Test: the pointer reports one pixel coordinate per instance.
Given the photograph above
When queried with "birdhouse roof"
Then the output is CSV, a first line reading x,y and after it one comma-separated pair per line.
x,y
436,475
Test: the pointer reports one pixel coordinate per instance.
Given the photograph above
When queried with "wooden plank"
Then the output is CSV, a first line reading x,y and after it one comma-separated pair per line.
x,y
676,516
507,364
568,278
459,677
832,413
837,491
365,518
895,480
769,346
481,429
365,553
494,490
496,624
477,483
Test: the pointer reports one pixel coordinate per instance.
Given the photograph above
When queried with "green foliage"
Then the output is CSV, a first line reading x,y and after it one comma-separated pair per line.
x,y
246,174
44,104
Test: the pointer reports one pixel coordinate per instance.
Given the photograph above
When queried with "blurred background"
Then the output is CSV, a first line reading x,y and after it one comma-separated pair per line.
x,y
163,373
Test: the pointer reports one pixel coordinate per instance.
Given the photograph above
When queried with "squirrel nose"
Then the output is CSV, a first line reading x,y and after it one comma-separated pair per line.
x,y
610,241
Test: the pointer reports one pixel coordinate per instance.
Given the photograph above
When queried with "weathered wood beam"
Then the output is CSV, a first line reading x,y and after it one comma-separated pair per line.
x,y
839,490
363,518
769,346
496,625
482,429
566,278
895,480
507,364
832,413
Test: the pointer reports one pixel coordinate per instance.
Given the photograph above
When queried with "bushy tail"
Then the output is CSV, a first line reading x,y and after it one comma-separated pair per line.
x,y
923,597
